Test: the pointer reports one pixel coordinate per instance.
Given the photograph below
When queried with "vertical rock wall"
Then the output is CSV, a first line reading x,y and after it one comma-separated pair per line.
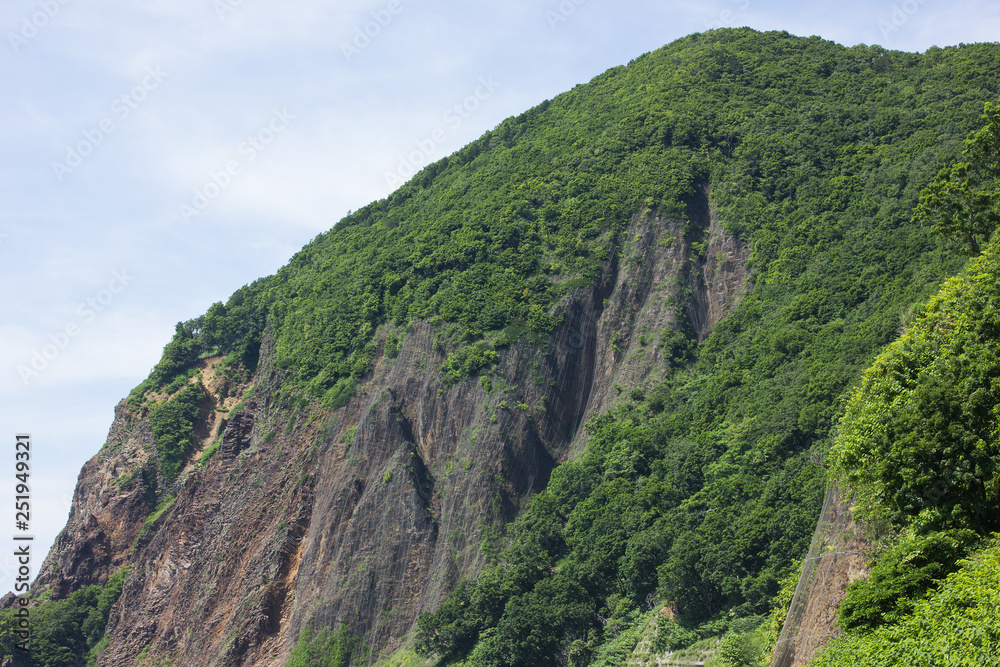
x,y
367,515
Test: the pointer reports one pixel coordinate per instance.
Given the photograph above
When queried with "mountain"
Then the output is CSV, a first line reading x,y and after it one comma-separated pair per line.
x,y
927,474
571,383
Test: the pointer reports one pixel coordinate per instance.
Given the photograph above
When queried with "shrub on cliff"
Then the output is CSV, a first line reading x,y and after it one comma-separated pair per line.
x,y
63,631
958,624
172,422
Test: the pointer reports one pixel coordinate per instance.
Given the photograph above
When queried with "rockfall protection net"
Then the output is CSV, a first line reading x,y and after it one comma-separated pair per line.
x,y
837,556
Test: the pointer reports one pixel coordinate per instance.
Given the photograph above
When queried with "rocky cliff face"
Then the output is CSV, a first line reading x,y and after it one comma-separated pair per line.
x,y
369,514
839,555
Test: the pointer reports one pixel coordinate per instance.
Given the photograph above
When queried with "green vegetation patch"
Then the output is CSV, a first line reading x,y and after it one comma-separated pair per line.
x,y
468,361
173,423
64,632
326,648
902,574
162,507
209,452
958,624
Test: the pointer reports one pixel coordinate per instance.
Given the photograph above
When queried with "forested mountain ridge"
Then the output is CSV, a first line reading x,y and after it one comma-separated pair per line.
x,y
927,479
919,446
695,255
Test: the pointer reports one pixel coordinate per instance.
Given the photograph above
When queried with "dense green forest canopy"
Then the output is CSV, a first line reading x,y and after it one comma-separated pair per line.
x,y
486,240
701,491
919,446
61,632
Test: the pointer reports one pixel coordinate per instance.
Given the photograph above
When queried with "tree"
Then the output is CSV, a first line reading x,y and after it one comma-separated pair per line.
x,y
963,203
740,650
172,423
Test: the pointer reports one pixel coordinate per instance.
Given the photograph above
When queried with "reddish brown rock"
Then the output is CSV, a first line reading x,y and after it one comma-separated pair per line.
x,y
369,514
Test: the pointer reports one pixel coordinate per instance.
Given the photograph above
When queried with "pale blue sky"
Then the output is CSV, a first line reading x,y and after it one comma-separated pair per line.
x,y
158,154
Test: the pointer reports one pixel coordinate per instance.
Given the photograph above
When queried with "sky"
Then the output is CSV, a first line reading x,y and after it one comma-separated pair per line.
x,y
156,155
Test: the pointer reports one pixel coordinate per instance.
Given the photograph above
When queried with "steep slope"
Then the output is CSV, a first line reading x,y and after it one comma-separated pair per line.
x,y
695,254
699,492
919,445
917,451
366,514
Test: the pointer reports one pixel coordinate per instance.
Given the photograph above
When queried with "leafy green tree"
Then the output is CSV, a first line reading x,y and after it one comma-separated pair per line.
x,y
326,648
913,565
63,631
580,653
670,636
963,203
740,650
451,630
468,361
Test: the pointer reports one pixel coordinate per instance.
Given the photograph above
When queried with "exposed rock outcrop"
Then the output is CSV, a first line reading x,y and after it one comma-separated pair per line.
x,y
369,514
839,555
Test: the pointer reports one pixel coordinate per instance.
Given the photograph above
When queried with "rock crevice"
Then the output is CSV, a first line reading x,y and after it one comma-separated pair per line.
x,y
365,516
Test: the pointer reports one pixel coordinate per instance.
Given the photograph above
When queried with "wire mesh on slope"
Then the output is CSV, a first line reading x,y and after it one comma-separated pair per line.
x,y
837,556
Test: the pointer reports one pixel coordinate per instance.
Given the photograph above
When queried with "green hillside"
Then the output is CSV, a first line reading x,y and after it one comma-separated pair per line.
x,y
919,445
801,140
701,492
